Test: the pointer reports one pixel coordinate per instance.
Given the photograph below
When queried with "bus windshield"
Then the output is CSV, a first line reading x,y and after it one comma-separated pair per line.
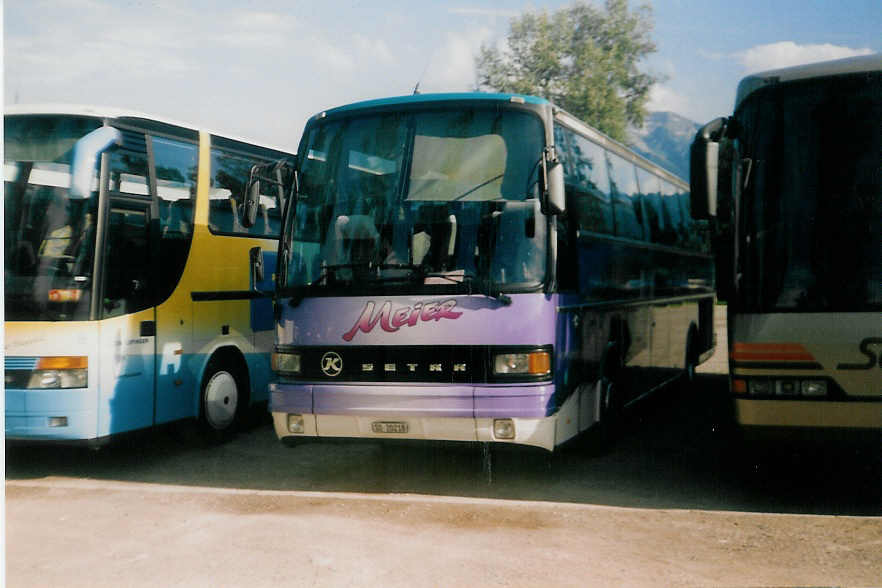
x,y
429,198
811,209
49,238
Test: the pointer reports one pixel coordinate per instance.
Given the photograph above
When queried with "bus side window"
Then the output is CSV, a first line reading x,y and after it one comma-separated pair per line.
x,y
176,168
175,185
229,176
586,182
595,208
679,227
566,237
650,192
627,209
128,166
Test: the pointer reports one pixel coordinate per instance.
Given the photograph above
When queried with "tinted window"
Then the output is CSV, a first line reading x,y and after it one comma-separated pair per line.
x,y
811,209
175,185
586,181
127,266
657,223
627,210
128,165
229,177
176,168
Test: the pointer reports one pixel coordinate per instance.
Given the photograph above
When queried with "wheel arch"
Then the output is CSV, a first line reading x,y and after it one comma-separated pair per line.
x,y
226,355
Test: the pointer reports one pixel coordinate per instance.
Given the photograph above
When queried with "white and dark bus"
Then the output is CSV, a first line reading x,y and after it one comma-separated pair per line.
x,y
792,181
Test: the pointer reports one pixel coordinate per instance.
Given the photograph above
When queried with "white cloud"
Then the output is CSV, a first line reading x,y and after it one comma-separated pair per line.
x,y
327,53
452,67
664,98
373,50
788,53
265,21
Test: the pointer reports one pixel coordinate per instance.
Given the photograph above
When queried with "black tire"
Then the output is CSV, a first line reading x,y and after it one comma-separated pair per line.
x,y
602,436
223,398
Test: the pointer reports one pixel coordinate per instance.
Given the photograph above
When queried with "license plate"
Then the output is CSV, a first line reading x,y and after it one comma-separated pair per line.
x,y
385,427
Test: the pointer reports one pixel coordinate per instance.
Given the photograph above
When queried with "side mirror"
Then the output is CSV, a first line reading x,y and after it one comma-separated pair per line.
x,y
252,200
85,158
554,201
704,160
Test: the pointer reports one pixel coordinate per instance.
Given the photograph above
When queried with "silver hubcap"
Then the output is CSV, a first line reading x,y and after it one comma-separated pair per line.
x,y
221,399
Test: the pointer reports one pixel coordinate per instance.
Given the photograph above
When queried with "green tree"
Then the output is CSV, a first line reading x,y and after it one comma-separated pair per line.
x,y
583,58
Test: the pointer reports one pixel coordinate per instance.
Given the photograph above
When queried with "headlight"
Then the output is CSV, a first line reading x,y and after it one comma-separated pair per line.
x,y
782,387
814,387
60,372
760,387
536,363
286,362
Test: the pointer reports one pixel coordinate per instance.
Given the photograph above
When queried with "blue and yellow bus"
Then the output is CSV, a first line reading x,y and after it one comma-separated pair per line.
x,y
131,277
484,268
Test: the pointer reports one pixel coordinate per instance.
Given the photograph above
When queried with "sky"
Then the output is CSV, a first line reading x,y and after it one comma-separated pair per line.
x,y
257,69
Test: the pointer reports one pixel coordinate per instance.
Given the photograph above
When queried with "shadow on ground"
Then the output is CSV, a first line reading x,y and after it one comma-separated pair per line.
x,y
673,453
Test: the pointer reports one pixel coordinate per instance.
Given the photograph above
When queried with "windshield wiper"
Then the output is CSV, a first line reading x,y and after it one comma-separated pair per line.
x,y
476,188
485,287
481,286
299,292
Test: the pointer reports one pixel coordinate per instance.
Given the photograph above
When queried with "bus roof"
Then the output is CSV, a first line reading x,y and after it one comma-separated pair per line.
x,y
753,82
427,98
120,113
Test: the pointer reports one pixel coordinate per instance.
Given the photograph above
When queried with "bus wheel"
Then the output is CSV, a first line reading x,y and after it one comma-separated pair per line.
x,y
222,397
610,408
606,429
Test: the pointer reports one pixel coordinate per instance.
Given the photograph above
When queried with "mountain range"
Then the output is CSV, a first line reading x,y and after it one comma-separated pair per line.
x,y
664,139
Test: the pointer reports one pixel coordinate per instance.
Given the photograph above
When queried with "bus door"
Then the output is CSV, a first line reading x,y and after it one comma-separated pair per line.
x,y
128,320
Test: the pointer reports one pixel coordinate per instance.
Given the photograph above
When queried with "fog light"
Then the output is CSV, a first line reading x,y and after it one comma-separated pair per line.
x,y
503,429
814,388
295,423
57,421
286,362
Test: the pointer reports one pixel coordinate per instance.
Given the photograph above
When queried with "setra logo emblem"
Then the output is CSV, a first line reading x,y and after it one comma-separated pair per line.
x,y
332,364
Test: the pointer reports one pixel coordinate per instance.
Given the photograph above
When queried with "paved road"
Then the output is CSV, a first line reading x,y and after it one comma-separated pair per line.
x,y
671,504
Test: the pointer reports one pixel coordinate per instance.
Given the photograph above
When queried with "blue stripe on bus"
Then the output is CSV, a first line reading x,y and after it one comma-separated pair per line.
x,y
20,363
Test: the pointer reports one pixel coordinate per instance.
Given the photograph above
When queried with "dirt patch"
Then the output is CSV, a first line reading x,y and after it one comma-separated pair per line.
x,y
59,530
